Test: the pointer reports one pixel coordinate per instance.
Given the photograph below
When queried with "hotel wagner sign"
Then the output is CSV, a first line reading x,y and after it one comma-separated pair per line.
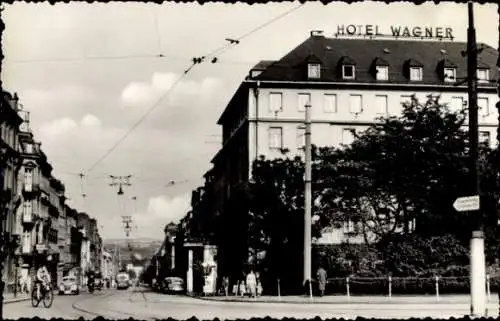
x,y
375,31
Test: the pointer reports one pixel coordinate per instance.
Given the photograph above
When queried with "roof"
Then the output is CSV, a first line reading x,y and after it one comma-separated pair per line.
x,y
263,64
398,54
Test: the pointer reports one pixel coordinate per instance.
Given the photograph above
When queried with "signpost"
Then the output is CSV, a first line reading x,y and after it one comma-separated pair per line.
x,y
467,203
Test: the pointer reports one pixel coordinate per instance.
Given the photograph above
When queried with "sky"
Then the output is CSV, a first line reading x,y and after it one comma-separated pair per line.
x,y
88,73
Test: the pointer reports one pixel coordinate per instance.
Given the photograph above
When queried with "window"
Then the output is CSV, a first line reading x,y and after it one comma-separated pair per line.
x,y
314,71
412,225
450,74
301,137
28,179
483,75
482,105
405,99
382,72
330,103
275,102
275,138
381,104
26,242
348,72
348,136
303,100
416,73
484,138
349,227
457,103
28,208
355,104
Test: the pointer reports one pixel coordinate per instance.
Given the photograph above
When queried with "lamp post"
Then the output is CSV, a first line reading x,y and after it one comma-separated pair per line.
x,y
477,255
307,200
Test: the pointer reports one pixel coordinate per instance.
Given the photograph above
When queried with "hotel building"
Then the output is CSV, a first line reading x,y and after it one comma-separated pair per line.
x,y
349,83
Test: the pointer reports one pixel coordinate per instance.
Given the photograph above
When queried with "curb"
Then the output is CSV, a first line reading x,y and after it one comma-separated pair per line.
x,y
15,300
308,301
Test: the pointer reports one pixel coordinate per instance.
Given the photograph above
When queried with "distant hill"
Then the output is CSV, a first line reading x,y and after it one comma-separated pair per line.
x,y
137,251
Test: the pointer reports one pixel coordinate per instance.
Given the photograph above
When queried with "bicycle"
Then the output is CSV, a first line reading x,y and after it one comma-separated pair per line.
x,y
47,295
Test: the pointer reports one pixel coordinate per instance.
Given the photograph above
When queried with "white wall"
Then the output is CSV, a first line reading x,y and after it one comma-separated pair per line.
x,y
330,124
328,127
291,110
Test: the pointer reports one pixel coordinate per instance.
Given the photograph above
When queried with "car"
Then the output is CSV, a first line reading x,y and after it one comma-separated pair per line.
x,y
172,284
122,281
69,285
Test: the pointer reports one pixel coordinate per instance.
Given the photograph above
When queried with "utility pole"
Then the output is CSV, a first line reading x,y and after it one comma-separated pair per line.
x,y
127,224
307,201
477,256
120,181
498,130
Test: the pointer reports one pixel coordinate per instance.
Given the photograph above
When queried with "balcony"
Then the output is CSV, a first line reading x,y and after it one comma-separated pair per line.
x,y
28,218
31,190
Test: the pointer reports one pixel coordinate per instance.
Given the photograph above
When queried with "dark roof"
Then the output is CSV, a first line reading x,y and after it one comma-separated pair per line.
x,y
380,62
263,64
397,53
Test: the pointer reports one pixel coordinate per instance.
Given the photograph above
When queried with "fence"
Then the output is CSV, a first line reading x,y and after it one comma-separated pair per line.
x,y
389,286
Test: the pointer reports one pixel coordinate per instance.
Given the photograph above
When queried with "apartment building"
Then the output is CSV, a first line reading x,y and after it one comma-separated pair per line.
x,y
10,161
349,83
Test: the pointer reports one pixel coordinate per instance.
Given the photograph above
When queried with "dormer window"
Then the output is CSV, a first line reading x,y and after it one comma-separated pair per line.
x,y
348,72
313,71
416,73
382,72
347,67
447,69
483,75
380,69
450,74
313,64
413,69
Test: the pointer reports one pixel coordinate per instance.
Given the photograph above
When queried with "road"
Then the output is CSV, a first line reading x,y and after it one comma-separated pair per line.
x,y
147,305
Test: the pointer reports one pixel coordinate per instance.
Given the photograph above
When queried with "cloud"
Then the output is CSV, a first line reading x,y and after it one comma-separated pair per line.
x,y
90,120
58,127
137,94
168,209
160,211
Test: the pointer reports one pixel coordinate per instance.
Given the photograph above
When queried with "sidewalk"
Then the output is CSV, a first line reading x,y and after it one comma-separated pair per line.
x,y
9,297
343,299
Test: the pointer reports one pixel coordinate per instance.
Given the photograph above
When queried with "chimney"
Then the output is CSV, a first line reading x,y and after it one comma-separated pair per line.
x,y
15,102
317,33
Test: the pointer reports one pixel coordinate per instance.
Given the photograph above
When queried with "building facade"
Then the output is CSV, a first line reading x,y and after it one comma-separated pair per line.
x,y
349,83
69,256
10,200
91,244
107,266
38,223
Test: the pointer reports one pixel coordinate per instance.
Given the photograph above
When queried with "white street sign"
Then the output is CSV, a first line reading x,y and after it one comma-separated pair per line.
x,y
467,203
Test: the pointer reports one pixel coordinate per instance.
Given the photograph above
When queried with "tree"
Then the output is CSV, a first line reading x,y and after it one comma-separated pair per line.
x,y
407,169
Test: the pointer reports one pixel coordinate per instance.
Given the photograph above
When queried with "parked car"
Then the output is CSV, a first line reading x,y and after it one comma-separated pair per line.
x,y
69,285
173,284
122,281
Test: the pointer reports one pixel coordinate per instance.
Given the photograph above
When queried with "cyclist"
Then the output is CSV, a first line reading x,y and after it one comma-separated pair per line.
x,y
43,278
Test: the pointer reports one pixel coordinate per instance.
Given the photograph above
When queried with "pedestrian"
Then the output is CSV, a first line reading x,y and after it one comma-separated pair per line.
x,y
225,285
252,284
242,288
321,275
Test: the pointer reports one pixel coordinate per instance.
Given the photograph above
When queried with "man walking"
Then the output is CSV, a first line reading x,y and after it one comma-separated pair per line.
x,y
321,274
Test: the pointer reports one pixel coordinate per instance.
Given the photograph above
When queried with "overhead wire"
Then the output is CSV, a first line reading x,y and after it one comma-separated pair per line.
x,y
196,60
141,119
